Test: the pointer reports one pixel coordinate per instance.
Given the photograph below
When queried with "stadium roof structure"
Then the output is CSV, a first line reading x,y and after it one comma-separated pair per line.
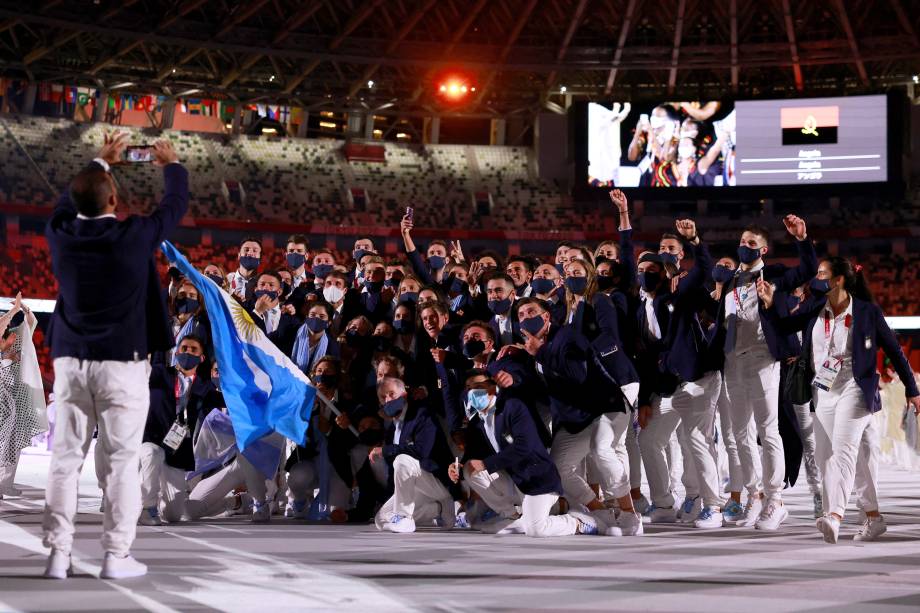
x,y
518,53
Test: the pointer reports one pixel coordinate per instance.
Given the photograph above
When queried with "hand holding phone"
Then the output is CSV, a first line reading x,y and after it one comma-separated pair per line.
x,y
139,154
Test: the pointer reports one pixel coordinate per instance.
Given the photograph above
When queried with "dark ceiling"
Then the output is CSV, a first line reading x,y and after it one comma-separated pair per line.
x,y
518,53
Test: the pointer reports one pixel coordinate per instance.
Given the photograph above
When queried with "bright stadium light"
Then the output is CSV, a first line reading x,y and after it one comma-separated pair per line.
x,y
370,85
563,89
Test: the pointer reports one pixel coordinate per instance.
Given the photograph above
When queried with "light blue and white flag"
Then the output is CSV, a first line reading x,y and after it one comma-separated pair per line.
x,y
264,390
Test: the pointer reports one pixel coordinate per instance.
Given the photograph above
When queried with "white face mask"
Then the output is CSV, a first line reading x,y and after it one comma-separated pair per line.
x,y
333,294
685,152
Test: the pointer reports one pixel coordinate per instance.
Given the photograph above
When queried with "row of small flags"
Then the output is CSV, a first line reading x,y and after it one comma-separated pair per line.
x,y
85,96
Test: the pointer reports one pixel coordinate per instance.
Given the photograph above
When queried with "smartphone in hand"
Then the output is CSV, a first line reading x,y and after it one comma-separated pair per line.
x,y
409,212
138,154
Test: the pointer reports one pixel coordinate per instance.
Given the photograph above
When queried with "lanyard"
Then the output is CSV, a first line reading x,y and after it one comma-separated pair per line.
x,y
179,396
828,337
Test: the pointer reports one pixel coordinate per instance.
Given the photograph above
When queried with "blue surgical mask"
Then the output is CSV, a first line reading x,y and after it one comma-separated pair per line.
x,y
373,287
561,269
187,361
404,326
392,282
186,305
722,274
358,254
272,295
478,400
393,408
748,255
409,297
329,380
250,263
458,286
542,286
295,260
217,279
436,262
500,307
322,270
668,258
533,325
315,324
577,285
819,287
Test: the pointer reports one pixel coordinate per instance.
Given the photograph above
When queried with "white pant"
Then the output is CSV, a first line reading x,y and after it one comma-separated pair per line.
x,y
753,390
693,406
611,469
417,493
807,428
501,494
207,497
735,475
161,481
303,479
115,397
569,452
846,447
627,447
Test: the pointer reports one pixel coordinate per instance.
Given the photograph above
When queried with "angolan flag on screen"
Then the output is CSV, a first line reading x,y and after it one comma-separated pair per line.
x,y
810,125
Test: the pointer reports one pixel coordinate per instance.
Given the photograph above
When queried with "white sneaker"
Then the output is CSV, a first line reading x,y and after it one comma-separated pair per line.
x,y
59,565
631,524
829,526
873,528
121,568
400,524
150,517
689,509
587,523
772,516
641,504
261,513
751,512
709,518
665,515
297,509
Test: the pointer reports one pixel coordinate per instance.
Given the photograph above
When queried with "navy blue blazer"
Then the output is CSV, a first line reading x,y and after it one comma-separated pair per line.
x,y
522,453
785,279
564,359
423,439
869,332
609,345
109,304
372,306
162,413
516,337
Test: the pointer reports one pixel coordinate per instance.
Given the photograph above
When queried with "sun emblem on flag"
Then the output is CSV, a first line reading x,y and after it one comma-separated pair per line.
x,y
243,321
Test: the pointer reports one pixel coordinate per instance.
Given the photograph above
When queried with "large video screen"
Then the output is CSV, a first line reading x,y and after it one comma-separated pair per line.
x,y
747,142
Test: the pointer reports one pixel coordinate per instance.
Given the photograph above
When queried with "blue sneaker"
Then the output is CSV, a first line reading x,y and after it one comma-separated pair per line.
x,y
732,511
460,522
689,509
709,518
401,524
150,517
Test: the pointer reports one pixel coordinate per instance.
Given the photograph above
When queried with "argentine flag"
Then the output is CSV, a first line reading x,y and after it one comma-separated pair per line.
x,y
264,390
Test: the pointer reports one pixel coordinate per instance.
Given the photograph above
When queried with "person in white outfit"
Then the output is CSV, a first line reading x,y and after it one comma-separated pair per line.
x,y
842,332
107,320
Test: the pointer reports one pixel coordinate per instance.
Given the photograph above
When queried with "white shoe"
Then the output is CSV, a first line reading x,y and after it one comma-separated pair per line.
x,y
400,524
631,524
59,565
150,517
665,515
772,516
829,526
587,523
708,519
261,513
751,512
297,509
641,504
689,509
873,528
121,568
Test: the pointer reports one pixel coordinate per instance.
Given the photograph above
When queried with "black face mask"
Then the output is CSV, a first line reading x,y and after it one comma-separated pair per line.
x,y
605,283
353,339
473,347
382,343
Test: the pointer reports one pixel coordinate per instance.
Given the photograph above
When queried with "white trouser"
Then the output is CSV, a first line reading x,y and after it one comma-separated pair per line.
x,y
753,390
501,494
841,424
677,462
807,428
735,476
611,470
303,479
417,493
159,480
627,447
207,497
569,452
114,396
693,405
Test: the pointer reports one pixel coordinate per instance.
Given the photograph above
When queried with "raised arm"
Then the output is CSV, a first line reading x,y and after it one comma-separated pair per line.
x,y
808,258
702,261
174,204
627,252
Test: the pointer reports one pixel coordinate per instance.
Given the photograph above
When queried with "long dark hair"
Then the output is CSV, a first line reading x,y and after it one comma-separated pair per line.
x,y
854,280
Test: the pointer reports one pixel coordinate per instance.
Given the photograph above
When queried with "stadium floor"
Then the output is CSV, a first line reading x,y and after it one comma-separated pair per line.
x,y
232,565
